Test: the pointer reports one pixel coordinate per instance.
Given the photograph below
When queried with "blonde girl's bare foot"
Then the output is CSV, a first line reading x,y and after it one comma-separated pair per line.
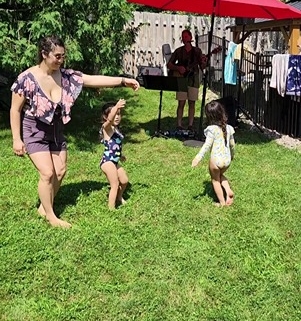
x,y
56,222
41,211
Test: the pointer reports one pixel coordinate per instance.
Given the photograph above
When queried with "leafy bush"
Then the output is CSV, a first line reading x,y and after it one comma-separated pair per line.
x,y
94,32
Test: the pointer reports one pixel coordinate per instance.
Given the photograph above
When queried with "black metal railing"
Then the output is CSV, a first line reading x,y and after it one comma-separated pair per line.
x,y
253,92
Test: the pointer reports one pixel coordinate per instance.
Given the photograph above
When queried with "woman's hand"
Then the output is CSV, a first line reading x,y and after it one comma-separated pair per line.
x,y
100,81
130,82
19,147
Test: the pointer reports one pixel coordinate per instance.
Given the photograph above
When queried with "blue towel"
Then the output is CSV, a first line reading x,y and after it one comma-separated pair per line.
x,y
293,83
230,72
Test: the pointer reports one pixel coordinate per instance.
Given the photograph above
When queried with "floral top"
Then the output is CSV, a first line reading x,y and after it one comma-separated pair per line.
x,y
39,105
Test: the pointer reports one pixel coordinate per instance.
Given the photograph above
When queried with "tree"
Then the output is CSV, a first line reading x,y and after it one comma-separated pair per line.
x,y
94,32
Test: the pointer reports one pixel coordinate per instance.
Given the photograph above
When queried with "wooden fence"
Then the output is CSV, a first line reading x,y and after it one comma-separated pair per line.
x,y
164,28
158,29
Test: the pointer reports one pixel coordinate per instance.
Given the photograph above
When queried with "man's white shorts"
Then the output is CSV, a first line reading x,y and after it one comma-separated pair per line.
x,y
191,94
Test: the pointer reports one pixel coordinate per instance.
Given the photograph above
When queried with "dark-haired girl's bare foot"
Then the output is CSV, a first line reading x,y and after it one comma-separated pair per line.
x,y
230,198
121,201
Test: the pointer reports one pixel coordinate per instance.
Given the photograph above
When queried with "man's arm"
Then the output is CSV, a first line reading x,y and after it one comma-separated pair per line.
x,y
172,63
201,59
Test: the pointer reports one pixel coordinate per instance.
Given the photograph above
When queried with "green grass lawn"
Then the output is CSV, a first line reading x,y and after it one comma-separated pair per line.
x,y
169,253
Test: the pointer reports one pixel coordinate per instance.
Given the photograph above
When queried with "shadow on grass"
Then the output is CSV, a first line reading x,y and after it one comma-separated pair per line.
x,y
69,193
132,188
4,119
244,133
166,124
208,191
250,135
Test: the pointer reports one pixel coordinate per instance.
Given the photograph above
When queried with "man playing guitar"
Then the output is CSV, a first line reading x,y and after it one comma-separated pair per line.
x,y
186,61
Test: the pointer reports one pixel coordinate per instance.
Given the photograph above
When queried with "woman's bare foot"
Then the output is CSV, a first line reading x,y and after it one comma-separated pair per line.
x,y
56,222
230,199
41,211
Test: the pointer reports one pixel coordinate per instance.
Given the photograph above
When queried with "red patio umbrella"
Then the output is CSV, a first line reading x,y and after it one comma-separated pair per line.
x,y
268,9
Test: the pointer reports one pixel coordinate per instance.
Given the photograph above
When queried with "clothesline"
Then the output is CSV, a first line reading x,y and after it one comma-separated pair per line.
x,y
286,74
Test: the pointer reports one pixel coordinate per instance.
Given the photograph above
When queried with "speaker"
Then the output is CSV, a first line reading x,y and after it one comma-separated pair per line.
x,y
230,105
244,21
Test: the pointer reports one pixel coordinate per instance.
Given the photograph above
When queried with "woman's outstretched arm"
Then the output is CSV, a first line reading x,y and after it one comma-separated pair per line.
x,y
97,81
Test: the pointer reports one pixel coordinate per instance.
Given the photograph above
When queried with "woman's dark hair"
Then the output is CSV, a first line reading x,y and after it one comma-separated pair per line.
x,y
216,115
47,44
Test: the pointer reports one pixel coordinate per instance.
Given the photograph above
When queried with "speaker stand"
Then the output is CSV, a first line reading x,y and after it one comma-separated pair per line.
x,y
167,83
158,132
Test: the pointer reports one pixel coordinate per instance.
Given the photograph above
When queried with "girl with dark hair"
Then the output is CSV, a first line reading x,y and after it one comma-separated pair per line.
x,y
42,98
112,140
220,140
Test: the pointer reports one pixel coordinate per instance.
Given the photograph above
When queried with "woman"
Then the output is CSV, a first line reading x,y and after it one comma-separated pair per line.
x,y
42,97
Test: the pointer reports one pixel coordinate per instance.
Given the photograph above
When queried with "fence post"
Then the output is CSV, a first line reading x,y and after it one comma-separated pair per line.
x,y
257,83
223,91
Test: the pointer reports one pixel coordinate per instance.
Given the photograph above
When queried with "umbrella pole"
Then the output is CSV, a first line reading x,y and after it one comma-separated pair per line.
x,y
240,67
205,80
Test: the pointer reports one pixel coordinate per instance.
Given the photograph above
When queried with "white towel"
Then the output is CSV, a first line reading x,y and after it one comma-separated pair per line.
x,y
279,73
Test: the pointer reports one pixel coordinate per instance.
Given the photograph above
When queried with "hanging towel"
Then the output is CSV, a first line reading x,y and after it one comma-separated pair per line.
x,y
293,85
237,52
230,72
279,73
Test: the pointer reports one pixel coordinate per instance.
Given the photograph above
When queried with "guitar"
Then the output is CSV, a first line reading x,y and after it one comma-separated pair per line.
x,y
190,68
